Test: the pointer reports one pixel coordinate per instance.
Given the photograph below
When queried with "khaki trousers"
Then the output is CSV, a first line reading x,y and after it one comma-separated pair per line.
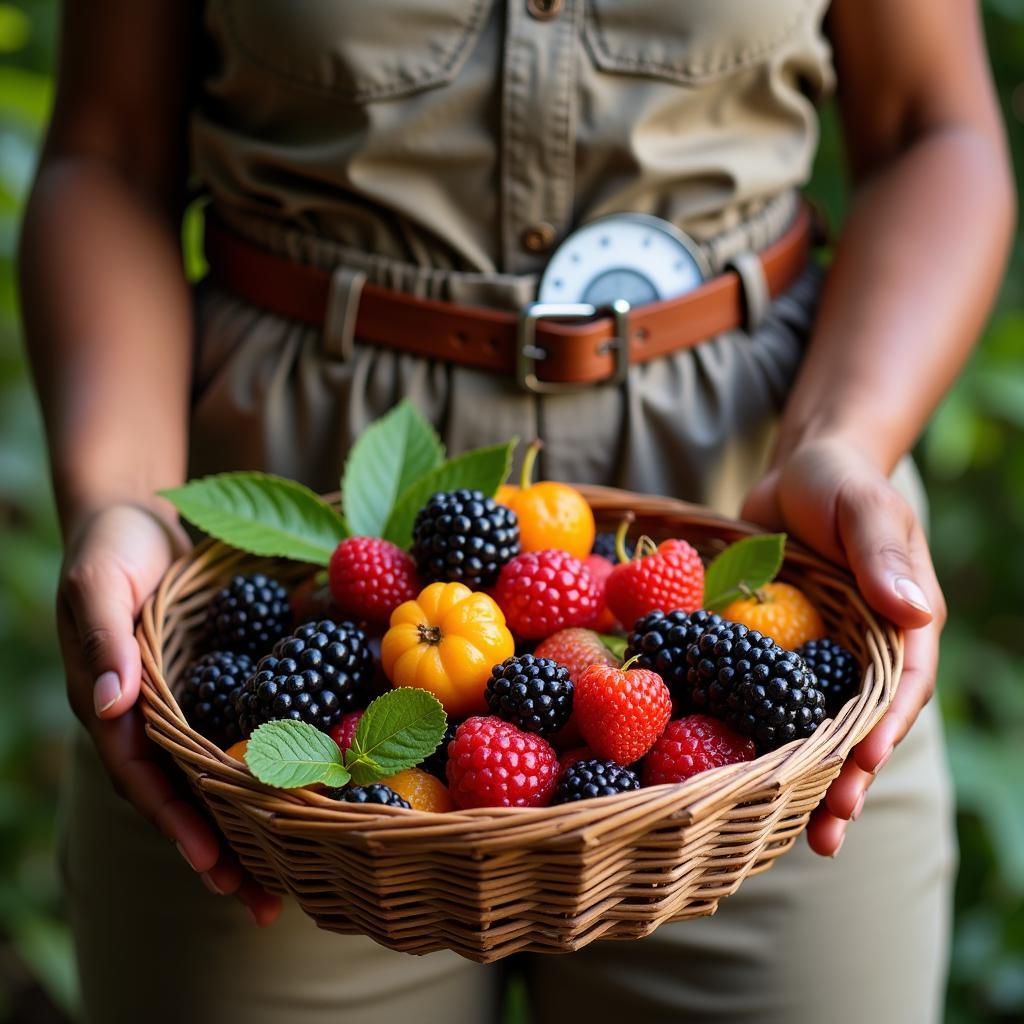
x,y
863,937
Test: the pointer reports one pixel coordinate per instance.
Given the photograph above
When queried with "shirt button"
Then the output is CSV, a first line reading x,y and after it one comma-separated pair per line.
x,y
538,237
544,10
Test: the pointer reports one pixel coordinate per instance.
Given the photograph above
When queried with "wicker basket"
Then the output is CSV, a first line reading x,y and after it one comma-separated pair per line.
x,y
490,882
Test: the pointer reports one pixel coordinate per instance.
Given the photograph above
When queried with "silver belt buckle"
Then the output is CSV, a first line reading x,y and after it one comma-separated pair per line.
x,y
529,353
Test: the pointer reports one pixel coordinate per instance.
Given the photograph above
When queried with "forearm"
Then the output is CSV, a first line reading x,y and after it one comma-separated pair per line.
x,y
913,279
108,324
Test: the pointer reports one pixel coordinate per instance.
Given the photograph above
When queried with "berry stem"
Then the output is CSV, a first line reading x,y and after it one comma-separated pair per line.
x,y
429,634
645,546
636,657
620,537
529,461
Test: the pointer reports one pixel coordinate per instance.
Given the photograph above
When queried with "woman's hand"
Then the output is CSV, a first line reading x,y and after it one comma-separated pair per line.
x,y
114,560
830,496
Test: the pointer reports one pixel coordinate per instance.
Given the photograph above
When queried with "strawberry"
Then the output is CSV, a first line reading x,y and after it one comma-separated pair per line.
x,y
621,712
601,568
671,577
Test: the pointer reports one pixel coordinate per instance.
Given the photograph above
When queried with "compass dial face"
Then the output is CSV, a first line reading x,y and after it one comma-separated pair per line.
x,y
623,256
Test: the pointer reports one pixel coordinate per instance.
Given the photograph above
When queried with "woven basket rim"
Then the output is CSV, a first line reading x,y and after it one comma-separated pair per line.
x,y
832,742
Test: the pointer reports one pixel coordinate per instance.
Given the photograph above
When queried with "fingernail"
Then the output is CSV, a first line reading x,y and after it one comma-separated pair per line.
x,y
209,882
883,759
106,691
858,807
907,590
835,852
184,853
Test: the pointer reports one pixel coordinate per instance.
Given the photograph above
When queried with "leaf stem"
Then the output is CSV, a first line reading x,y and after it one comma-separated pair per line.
x,y
620,537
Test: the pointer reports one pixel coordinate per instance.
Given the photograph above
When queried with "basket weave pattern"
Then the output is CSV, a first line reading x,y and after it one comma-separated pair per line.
x,y
493,881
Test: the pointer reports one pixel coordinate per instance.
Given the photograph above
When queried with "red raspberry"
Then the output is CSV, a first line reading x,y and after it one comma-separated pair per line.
x,y
621,712
668,579
370,578
344,729
694,744
570,757
491,763
577,649
601,568
544,591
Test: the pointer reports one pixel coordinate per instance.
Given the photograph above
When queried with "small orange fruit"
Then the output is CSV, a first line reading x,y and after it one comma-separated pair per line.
x,y
237,750
551,515
445,642
780,611
422,790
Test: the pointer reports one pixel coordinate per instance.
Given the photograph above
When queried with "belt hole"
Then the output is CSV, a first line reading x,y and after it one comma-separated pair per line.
x,y
493,343
461,339
642,335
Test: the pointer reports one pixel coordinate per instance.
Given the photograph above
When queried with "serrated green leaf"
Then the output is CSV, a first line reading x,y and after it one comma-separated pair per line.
x,y
483,469
288,754
262,514
749,563
615,644
386,460
397,731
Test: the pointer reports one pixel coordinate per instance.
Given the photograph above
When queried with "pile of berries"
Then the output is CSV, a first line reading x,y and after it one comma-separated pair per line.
x,y
498,610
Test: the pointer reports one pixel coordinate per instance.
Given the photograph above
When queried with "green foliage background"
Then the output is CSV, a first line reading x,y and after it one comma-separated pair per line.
x,y
972,455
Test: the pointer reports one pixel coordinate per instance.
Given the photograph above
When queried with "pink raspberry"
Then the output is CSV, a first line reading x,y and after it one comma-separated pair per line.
x,y
541,592
694,744
369,578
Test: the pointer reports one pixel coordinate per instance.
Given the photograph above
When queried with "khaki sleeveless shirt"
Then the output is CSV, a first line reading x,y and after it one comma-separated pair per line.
x,y
473,135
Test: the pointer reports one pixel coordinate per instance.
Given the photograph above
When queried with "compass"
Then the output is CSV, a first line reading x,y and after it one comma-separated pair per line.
x,y
630,256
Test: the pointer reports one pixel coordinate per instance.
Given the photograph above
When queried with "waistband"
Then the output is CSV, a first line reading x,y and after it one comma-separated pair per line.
x,y
753,230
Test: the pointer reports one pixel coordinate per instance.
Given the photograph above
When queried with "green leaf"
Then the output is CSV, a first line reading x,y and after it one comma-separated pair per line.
x,y
288,754
749,563
397,731
386,460
261,514
615,644
483,469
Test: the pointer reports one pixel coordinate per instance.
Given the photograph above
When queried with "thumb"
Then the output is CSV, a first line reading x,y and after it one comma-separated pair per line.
x,y
887,553
100,598
762,503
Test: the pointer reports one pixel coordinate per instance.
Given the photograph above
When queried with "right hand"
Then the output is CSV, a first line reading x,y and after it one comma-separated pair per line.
x,y
114,560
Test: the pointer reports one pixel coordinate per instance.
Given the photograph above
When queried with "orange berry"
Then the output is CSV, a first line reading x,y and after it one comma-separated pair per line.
x,y
780,611
422,790
551,515
237,750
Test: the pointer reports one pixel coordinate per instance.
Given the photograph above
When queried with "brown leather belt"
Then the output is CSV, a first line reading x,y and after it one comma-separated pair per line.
x,y
546,347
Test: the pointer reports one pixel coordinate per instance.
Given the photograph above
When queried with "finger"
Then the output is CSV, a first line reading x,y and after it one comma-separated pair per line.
x,y
916,686
226,876
825,832
130,759
101,602
264,907
845,796
762,503
877,531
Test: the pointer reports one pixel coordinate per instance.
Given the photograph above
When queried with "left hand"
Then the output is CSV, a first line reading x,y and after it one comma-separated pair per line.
x,y
833,498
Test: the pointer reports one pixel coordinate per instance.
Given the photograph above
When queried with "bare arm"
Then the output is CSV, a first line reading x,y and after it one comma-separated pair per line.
x,y
914,276
108,323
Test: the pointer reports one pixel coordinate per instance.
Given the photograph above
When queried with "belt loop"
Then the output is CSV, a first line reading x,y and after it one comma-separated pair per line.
x,y
756,298
340,315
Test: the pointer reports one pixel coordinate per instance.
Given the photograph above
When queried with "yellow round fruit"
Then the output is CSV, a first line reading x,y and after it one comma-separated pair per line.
x,y
780,611
422,790
237,750
445,642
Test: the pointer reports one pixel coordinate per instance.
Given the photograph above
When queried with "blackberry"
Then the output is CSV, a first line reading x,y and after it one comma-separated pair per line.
x,y
534,694
759,688
464,536
208,692
315,675
437,763
604,545
594,777
836,670
375,793
248,615
661,640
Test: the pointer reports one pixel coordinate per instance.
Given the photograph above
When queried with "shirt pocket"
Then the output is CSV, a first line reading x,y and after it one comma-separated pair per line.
x,y
355,51
690,42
